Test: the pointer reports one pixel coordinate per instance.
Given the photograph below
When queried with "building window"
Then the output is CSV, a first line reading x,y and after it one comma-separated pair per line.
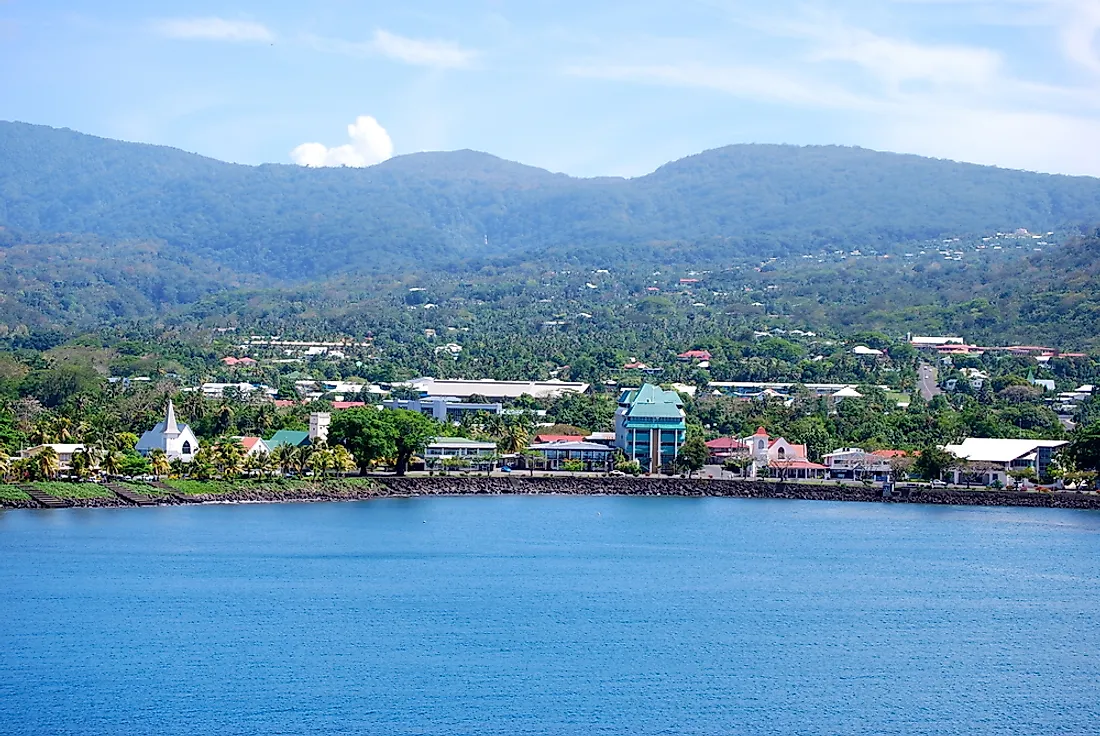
x,y
186,448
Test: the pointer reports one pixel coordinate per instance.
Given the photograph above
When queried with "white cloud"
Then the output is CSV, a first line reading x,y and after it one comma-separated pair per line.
x,y
896,60
412,51
440,54
213,29
1080,35
370,144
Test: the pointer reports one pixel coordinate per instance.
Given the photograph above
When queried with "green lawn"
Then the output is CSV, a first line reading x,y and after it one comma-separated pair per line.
x,y
11,493
59,489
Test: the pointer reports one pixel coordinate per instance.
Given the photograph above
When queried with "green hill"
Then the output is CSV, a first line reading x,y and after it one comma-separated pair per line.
x,y
441,209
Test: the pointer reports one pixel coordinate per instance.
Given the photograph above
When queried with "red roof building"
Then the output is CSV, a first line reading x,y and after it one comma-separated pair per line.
x,y
543,438
695,355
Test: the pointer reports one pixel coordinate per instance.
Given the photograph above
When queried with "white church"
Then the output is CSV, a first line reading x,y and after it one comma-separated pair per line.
x,y
177,440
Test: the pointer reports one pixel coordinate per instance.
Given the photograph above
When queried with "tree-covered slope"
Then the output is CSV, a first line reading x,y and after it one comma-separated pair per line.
x,y
438,209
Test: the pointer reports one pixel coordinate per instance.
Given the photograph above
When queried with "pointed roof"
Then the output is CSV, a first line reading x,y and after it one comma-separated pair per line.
x,y
170,426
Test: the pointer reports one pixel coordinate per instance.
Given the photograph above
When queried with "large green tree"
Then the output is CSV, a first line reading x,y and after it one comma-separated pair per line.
x,y
367,434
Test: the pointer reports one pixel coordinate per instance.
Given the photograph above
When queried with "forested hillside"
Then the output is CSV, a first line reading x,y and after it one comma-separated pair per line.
x,y
448,209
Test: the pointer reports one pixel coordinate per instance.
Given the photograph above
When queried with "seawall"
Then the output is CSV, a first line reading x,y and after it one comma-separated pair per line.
x,y
391,487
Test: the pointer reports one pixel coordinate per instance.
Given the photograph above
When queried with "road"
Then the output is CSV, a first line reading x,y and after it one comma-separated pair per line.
x,y
927,382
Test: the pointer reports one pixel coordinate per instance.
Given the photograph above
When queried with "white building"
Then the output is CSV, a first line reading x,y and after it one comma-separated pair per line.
x,y
176,440
492,390
993,459
442,448
64,452
318,425
855,463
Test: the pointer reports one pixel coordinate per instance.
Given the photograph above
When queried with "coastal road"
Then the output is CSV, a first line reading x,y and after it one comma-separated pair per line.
x,y
927,382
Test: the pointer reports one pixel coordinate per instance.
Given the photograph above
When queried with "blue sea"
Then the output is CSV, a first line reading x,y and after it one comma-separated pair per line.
x,y
550,615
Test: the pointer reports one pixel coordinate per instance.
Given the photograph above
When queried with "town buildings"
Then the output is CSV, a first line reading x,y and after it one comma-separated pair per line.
x,y
556,454
650,426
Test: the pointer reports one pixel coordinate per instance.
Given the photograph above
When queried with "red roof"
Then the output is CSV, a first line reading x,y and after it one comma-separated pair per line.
x,y
889,453
634,366
696,354
726,443
284,403
338,405
230,360
761,430
558,438
249,442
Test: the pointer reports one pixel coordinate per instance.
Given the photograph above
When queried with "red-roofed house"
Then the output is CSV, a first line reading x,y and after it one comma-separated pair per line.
x,y
341,405
695,355
231,361
253,446
726,447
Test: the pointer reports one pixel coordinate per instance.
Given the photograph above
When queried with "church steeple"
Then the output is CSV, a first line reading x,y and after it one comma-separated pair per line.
x,y
171,429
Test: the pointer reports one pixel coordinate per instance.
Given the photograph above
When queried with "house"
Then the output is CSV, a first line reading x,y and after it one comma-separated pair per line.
x,y
231,361
64,452
848,392
866,351
650,426
443,408
253,446
174,439
778,457
594,456
217,390
854,463
723,448
492,390
292,437
991,460
442,448
695,355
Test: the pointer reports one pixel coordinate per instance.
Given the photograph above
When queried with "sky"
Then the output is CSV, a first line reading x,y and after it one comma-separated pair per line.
x,y
589,88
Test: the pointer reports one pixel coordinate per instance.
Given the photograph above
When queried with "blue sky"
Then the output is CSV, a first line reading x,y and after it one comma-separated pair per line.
x,y
603,87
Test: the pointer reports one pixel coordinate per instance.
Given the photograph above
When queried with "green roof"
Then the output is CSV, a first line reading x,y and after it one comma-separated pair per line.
x,y
294,438
652,402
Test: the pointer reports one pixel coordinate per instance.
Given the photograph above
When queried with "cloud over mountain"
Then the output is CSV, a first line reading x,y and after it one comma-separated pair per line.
x,y
370,144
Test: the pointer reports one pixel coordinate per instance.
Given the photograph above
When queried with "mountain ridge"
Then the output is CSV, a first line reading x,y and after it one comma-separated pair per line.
x,y
443,209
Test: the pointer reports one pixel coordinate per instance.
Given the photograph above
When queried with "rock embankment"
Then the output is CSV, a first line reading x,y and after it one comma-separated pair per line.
x,y
580,486
390,487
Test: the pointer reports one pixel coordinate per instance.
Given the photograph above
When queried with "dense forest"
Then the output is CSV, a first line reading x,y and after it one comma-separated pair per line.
x,y
443,209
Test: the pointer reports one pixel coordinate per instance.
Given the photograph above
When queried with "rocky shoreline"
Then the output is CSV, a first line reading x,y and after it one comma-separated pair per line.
x,y
391,487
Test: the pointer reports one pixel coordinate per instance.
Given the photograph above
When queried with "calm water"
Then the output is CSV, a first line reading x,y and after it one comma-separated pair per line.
x,y
550,616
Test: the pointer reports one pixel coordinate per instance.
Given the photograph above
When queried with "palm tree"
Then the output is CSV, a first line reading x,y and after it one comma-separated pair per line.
x,y
319,462
285,458
5,465
177,467
228,456
111,463
514,440
264,463
47,462
81,464
301,458
158,459
343,460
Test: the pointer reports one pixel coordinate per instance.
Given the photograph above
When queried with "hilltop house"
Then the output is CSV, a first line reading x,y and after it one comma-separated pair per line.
x,y
175,439
650,426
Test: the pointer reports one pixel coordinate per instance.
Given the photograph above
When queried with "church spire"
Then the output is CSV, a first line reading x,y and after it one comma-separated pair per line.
x,y
170,426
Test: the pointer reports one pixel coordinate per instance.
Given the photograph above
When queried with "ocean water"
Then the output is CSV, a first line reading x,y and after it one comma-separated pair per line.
x,y
553,615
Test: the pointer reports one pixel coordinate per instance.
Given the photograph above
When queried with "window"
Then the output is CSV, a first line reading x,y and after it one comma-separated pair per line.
x,y
782,453
186,448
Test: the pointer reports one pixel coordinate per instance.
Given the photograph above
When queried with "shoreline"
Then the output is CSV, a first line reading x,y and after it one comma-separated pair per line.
x,y
418,487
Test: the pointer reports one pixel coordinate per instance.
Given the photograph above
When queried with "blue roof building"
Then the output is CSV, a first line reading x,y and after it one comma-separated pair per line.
x,y
650,426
